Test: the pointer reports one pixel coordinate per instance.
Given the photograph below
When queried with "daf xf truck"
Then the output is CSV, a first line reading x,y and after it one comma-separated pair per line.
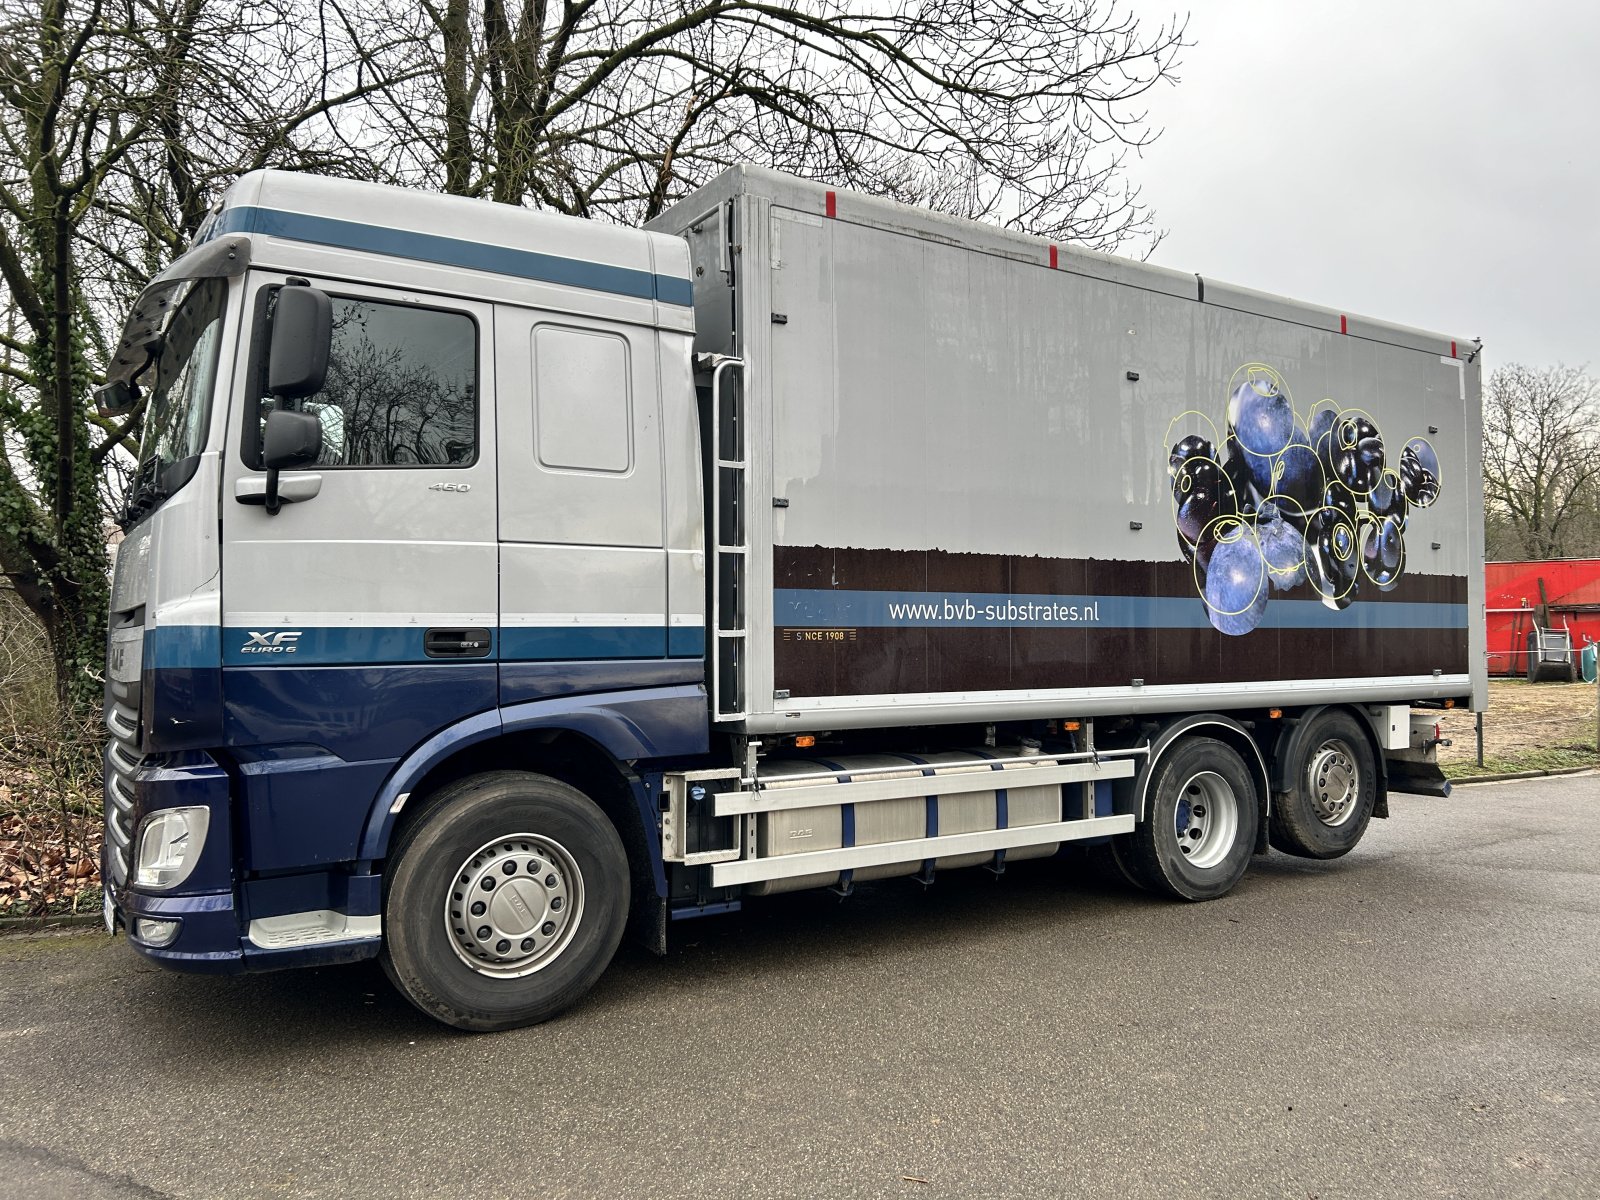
x,y
494,579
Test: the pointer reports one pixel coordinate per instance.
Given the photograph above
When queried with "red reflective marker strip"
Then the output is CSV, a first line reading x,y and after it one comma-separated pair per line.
x,y
1052,258
1452,350
1344,326
832,205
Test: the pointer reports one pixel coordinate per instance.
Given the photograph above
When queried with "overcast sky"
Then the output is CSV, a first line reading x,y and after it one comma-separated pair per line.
x,y
1428,162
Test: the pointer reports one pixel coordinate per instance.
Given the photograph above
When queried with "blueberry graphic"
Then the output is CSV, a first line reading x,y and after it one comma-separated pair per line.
x,y
1237,469
1355,452
1260,416
1319,431
1236,579
1297,473
1387,498
1419,472
1278,501
1283,547
1332,553
1193,446
1202,493
1382,551
1337,496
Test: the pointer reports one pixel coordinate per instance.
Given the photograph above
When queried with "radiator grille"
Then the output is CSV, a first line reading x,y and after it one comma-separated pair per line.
x,y
122,761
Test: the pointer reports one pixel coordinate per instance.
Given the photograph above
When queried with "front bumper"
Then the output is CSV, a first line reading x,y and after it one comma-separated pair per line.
x,y
214,911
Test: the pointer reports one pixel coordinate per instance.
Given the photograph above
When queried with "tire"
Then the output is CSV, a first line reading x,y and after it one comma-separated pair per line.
x,y
1335,788
549,877
1203,786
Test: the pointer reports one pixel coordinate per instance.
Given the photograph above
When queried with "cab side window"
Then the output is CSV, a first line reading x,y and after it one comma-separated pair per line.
x,y
402,388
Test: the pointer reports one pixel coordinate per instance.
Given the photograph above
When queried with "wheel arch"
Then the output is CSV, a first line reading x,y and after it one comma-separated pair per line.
x,y
592,743
1289,747
574,759
1224,729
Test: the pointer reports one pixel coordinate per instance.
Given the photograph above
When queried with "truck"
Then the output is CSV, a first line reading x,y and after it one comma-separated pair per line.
x,y
495,582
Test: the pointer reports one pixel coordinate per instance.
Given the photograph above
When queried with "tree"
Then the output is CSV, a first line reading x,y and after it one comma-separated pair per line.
x,y
1011,111
118,120
121,120
1541,460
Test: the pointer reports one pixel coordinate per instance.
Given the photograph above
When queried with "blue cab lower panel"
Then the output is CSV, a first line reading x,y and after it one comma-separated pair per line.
x,y
313,750
314,745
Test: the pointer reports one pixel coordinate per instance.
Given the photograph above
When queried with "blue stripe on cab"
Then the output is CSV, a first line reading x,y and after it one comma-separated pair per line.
x,y
686,642
584,641
454,252
168,647
172,647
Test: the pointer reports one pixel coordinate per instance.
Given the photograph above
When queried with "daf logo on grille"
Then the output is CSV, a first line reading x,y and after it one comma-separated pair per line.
x,y
271,643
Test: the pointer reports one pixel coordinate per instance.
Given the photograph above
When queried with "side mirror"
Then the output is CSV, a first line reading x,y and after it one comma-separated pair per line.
x,y
115,397
290,440
302,334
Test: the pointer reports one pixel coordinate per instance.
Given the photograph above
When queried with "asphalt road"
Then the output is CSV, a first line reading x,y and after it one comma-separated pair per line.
x,y
1420,1019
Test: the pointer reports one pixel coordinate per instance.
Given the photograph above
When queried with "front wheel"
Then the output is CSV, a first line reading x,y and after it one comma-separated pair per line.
x,y
505,901
1200,825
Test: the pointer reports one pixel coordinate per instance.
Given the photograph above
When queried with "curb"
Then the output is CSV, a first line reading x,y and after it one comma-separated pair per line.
x,y
1463,780
24,926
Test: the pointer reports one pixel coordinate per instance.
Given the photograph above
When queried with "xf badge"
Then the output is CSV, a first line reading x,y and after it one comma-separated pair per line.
x,y
271,643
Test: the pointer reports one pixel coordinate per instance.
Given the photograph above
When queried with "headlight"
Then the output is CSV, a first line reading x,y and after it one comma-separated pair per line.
x,y
170,845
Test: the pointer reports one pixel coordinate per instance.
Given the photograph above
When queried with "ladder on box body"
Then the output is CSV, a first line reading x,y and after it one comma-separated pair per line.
x,y
729,537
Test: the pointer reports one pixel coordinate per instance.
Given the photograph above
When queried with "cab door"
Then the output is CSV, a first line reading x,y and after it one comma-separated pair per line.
x,y
361,618
583,568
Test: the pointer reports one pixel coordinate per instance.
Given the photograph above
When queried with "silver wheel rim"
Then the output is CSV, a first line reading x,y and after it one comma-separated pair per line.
x,y
1206,819
1333,781
514,905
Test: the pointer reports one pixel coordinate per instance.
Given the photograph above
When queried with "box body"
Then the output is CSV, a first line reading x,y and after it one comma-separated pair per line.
x,y
960,496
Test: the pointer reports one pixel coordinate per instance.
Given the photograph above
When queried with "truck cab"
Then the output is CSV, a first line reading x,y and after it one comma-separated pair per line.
x,y
497,535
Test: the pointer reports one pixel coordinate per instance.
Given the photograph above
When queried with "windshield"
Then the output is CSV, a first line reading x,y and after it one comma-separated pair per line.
x,y
185,372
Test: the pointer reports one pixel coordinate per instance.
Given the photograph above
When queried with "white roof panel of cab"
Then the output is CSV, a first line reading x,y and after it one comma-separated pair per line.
x,y
456,231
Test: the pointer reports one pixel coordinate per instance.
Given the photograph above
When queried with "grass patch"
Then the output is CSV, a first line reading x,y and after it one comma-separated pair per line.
x,y
1547,758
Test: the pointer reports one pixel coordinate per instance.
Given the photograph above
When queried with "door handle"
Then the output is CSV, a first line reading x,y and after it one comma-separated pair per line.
x,y
252,489
456,643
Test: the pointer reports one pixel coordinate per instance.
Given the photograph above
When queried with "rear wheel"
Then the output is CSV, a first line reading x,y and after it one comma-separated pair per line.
x,y
1335,788
1200,824
505,901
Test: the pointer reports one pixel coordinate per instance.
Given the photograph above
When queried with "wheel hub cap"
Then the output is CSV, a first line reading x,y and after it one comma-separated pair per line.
x,y
1206,819
1333,782
514,905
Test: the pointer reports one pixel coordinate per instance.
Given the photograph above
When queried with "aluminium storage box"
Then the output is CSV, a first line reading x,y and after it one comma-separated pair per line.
x,y
966,454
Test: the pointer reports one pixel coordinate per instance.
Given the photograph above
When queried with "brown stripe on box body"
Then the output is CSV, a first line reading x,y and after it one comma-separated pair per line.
x,y
880,661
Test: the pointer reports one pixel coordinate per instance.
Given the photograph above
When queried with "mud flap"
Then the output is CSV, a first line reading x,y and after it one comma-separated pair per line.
x,y
1418,778
647,924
